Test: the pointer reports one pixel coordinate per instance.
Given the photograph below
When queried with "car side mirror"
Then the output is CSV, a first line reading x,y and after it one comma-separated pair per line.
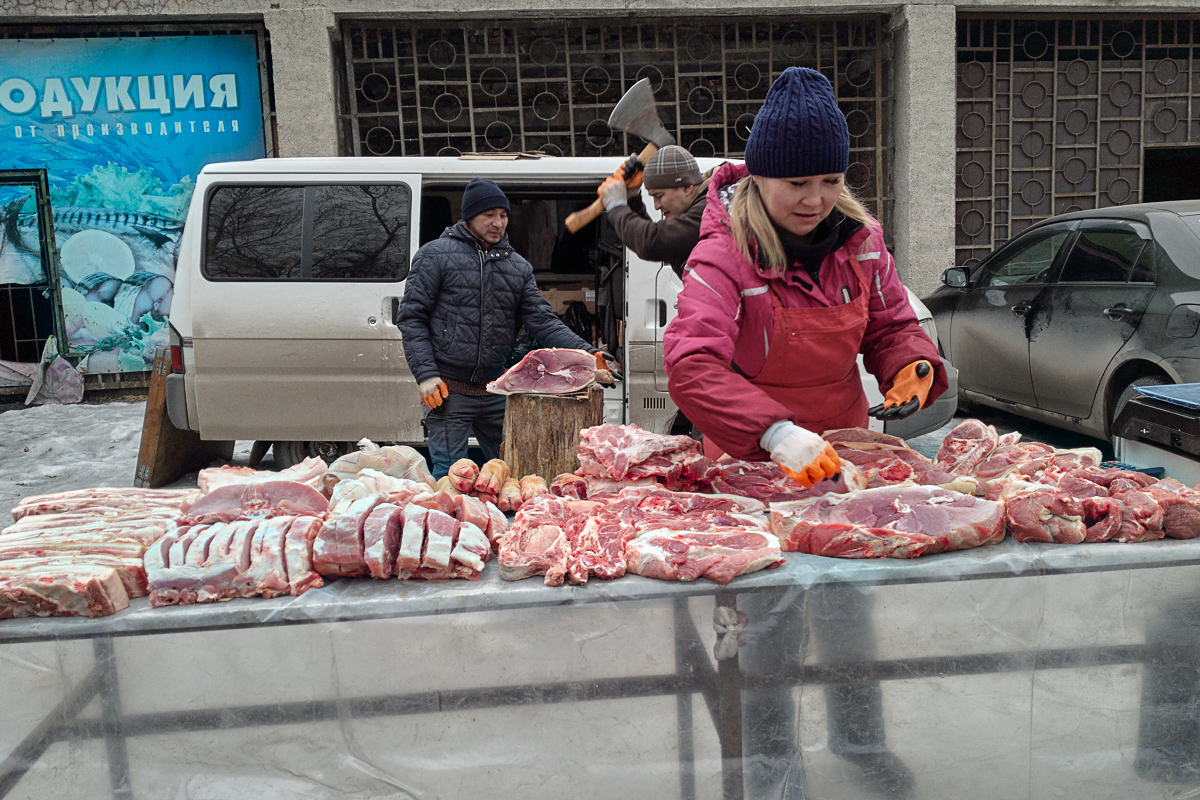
x,y
957,277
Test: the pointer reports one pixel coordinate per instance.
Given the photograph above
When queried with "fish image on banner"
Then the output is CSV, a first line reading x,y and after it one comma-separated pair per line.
x,y
122,125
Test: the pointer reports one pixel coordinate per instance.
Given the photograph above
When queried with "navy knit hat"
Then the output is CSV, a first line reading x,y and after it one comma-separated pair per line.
x,y
799,131
482,195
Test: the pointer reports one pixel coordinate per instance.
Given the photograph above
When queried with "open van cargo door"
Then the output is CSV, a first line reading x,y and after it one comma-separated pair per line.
x,y
338,248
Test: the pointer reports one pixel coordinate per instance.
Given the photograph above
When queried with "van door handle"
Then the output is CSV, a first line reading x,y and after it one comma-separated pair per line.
x,y
662,313
1021,308
391,308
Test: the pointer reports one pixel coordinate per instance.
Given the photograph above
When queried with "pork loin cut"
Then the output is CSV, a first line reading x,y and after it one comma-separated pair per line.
x,y
889,521
381,539
256,501
338,549
673,555
548,371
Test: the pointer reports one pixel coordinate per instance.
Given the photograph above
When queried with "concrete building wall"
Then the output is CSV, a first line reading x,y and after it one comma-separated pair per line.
x,y
302,55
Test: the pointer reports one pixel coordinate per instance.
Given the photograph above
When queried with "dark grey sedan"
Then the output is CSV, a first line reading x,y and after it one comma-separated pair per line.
x,y
1065,318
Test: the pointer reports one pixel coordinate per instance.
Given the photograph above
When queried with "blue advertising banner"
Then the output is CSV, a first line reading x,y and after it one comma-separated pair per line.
x,y
122,125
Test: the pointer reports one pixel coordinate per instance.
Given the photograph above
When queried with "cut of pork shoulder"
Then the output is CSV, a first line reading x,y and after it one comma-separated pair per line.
x,y
338,549
890,521
884,460
1180,506
537,543
673,555
1045,516
548,371
627,452
256,501
310,471
105,500
74,590
764,480
381,539
568,485
965,446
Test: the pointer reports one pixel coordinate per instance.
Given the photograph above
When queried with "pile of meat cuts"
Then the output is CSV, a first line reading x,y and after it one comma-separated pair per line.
x,y
491,483
551,370
79,553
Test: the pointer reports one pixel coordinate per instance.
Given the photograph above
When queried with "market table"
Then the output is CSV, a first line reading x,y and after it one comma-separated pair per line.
x,y
1008,671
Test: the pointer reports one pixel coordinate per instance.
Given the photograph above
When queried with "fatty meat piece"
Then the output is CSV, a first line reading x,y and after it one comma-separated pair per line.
x,y
463,474
368,482
257,501
111,499
267,573
510,496
381,539
338,549
440,532
412,539
76,590
472,548
889,521
310,472
472,510
627,452
568,485
297,550
721,556
435,501
446,485
497,523
548,371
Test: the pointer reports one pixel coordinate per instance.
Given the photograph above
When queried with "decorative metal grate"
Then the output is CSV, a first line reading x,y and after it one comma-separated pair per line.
x,y
1053,116
510,86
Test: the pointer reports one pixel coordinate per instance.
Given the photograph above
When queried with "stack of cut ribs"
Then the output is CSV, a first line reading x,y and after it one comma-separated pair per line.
x,y
79,553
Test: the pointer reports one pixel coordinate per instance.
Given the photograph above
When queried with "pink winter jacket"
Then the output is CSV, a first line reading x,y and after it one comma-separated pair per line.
x,y
725,319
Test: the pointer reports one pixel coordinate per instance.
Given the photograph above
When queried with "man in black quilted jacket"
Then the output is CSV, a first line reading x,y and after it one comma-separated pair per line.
x,y
467,295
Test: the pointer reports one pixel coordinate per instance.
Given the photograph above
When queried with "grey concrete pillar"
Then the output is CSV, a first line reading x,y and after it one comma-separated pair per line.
x,y
925,143
302,64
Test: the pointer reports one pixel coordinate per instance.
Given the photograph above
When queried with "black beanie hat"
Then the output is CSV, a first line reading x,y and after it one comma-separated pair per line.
x,y
482,195
799,131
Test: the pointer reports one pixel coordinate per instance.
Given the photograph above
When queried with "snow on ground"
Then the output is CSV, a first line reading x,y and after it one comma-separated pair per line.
x,y
55,448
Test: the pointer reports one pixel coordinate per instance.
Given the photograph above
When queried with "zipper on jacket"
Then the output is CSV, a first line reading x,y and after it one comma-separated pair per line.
x,y
479,337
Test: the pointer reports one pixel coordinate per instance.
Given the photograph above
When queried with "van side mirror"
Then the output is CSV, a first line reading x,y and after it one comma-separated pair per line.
x,y
957,277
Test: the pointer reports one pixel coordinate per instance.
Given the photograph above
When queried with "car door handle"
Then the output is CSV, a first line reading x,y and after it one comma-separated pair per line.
x,y
1119,311
1021,308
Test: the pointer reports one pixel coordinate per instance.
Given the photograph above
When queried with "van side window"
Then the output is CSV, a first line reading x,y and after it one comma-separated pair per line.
x,y
360,232
333,232
253,232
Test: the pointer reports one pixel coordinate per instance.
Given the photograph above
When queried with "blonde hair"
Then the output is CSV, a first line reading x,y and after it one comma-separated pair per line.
x,y
756,235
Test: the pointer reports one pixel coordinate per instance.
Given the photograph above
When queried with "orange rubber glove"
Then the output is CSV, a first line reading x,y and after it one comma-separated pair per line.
x,y
607,361
629,173
909,391
803,456
433,392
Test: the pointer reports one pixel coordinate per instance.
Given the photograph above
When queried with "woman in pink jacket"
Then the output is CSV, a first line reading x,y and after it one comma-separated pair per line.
x,y
792,280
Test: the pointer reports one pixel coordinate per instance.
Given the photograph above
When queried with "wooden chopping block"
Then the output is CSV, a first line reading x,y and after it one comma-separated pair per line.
x,y
167,453
541,432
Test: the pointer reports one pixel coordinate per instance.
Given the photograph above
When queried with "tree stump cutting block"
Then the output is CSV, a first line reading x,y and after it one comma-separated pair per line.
x,y
541,432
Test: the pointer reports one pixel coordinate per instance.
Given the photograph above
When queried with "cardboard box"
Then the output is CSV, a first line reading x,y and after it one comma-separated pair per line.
x,y
560,297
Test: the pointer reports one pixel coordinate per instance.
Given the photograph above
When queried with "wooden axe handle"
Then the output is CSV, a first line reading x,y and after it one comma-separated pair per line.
x,y
583,217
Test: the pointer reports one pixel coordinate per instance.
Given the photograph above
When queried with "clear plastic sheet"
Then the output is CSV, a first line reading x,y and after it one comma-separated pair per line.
x,y
1013,671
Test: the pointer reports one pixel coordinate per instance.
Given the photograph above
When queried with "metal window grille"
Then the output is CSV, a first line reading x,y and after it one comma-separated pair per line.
x,y
1054,116
511,86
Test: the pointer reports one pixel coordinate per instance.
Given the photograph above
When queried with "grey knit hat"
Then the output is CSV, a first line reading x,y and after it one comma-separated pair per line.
x,y
670,167
799,131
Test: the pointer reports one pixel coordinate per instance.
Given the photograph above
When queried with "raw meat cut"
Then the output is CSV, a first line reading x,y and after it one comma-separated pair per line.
x,y
338,549
497,523
510,496
381,539
440,532
1045,516
531,486
256,500
472,547
764,480
310,472
297,550
548,371
568,485
105,500
370,482
965,446
626,452
268,565
1180,506
537,543
885,460
673,555
492,476
77,590
889,521
412,539
472,510
444,484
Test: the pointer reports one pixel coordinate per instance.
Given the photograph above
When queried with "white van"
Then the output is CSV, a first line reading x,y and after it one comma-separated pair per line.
x,y
291,271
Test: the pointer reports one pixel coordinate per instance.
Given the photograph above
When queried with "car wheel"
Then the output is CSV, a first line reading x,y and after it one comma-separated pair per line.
x,y
289,454
1129,392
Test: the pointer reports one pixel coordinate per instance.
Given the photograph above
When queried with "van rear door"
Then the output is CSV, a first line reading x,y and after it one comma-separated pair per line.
x,y
294,333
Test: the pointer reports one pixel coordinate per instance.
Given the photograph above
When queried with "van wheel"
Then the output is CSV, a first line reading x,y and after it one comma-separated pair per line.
x,y
289,454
